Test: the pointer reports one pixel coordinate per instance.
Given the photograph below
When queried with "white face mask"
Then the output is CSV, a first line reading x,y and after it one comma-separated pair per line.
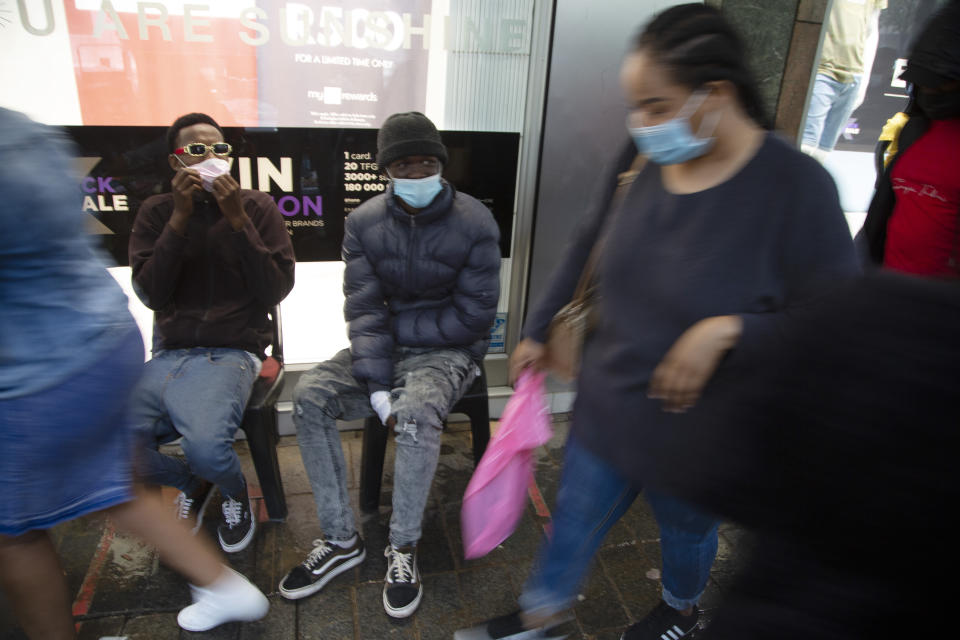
x,y
209,170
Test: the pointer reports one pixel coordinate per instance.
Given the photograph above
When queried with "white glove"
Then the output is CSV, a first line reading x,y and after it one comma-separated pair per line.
x,y
380,401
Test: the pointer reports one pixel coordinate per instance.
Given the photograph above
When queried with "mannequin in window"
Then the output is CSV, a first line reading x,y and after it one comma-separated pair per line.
x,y
849,47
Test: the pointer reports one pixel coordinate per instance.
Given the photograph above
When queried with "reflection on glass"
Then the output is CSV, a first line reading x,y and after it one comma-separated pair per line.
x,y
849,47
857,88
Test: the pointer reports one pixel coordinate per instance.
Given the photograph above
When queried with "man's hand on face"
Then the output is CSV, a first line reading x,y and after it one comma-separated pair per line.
x,y
186,184
227,192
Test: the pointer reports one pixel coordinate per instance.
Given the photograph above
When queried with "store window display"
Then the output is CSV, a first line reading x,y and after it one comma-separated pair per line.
x,y
849,47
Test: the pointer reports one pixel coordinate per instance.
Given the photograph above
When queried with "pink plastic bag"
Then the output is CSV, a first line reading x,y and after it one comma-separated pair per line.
x,y
497,493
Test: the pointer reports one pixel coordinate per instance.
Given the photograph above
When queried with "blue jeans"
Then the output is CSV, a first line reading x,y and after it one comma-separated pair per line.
x,y
831,105
591,498
427,383
200,395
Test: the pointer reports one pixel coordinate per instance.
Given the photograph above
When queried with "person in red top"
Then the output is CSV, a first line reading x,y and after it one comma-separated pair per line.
x,y
922,234
913,223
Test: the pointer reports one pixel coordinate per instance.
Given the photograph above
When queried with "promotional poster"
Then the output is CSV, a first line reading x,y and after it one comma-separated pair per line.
x,y
299,88
316,177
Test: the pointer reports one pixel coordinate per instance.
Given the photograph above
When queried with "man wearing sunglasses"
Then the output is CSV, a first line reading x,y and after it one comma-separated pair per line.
x,y
211,259
421,283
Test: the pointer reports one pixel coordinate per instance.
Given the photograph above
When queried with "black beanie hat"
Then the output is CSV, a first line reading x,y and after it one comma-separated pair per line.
x,y
934,57
408,134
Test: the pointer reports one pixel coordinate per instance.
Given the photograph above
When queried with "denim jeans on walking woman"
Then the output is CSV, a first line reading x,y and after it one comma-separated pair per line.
x,y
199,394
427,383
591,498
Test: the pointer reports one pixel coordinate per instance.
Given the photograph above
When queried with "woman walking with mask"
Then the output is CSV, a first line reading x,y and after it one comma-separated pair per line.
x,y
725,228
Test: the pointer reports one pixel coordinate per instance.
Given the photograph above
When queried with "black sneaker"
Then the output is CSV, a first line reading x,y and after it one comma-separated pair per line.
x,y
238,525
402,589
189,507
510,627
663,623
324,563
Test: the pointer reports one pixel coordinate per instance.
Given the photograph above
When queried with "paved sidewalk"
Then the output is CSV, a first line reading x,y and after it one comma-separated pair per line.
x,y
123,591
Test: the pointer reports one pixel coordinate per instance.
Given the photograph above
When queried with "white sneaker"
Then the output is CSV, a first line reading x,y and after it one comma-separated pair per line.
x,y
231,598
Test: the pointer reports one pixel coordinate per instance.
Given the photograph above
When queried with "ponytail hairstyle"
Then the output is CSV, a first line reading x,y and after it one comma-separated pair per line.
x,y
698,45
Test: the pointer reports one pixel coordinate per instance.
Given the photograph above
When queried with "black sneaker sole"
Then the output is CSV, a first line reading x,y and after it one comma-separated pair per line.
x,y
670,633
509,628
310,589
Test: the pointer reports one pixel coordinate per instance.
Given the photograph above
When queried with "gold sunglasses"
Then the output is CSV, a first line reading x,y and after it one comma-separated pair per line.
x,y
198,149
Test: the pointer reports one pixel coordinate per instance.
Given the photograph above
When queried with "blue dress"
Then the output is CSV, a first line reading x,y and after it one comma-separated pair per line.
x,y
70,352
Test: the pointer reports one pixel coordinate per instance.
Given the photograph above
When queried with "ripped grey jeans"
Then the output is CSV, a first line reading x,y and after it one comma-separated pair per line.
x,y
427,383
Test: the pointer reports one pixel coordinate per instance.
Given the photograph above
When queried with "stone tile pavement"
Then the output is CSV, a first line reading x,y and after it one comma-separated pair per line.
x,y
123,591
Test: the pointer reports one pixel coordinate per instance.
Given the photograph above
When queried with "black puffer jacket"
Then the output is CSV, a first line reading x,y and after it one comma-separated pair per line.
x,y
429,280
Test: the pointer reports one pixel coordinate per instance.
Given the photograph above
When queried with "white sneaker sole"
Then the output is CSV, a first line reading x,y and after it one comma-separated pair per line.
x,y
310,589
245,541
245,604
403,612
214,619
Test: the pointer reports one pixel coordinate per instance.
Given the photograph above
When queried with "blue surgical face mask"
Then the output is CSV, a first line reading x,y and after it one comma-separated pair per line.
x,y
417,192
673,141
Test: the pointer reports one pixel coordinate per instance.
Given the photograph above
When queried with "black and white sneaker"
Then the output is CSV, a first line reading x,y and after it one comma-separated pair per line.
x,y
323,563
238,525
189,507
402,589
510,627
663,623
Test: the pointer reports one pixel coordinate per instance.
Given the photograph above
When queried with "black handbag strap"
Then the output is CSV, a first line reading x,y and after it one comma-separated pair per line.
x,y
624,180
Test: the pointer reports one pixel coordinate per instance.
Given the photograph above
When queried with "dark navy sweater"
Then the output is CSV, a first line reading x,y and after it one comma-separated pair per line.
x,y
768,239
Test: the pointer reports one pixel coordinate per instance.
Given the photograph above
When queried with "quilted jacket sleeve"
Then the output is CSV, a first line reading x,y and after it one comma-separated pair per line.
x,y
366,313
472,306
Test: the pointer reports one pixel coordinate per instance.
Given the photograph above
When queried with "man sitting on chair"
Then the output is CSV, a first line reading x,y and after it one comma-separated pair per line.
x,y
421,285
211,259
